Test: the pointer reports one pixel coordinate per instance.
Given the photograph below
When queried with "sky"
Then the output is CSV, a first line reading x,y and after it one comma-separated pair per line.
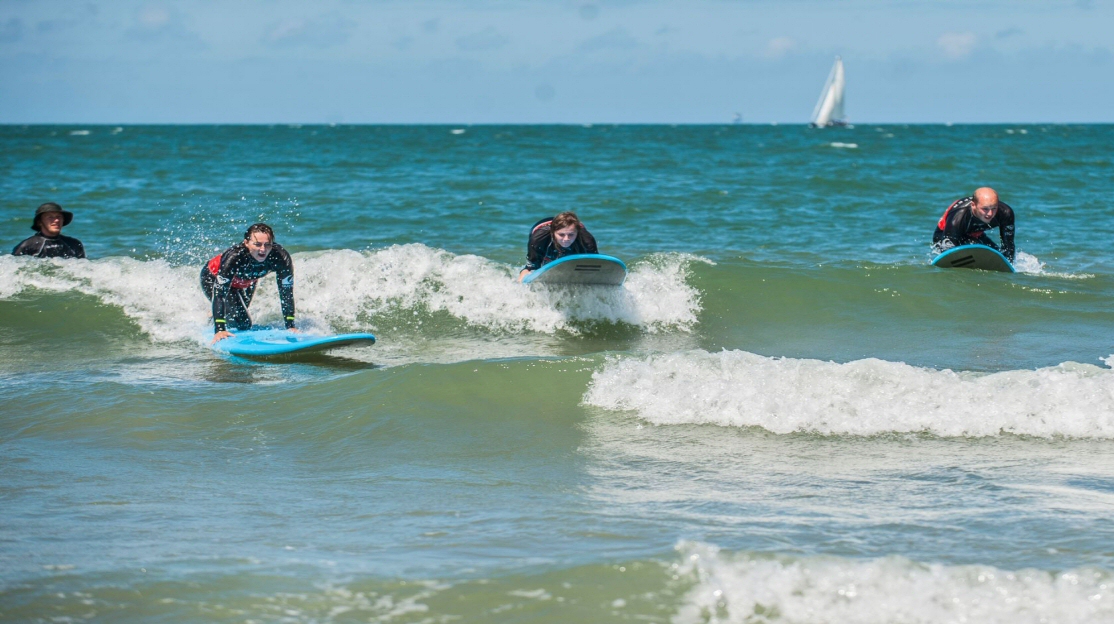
x,y
555,61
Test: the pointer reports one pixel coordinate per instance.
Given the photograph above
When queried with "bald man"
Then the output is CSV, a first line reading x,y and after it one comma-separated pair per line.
x,y
966,221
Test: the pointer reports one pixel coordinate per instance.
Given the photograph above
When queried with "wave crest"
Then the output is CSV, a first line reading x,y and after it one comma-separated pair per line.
x,y
746,588
865,397
337,290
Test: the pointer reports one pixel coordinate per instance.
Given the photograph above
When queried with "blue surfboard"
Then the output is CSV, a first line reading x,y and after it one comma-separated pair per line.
x,y
973,257
268,342
580,269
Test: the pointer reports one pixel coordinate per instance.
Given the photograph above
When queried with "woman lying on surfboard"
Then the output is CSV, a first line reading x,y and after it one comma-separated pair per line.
x,y
550,239
229,279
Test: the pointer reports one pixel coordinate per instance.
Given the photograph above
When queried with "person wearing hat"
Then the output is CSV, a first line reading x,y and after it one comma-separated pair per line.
x,y
49,242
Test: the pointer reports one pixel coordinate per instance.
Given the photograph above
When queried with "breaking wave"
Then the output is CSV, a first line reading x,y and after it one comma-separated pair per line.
x,y
864,397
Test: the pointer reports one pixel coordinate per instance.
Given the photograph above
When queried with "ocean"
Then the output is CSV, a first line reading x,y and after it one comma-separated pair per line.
x,y
784,415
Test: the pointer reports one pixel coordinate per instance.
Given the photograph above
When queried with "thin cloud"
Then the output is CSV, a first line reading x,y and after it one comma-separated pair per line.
x,y
81,16
617,39
1007,33
160,23
779,47
957,45
486,39
323,32
11,30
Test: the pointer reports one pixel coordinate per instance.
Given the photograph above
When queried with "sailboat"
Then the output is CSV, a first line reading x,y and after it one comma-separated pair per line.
x,y
829,110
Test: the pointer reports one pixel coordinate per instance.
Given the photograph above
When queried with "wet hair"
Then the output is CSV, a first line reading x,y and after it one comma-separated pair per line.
x,y
564,220
262,228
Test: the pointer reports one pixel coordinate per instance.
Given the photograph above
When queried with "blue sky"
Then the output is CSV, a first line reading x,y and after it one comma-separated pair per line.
x,y
534,61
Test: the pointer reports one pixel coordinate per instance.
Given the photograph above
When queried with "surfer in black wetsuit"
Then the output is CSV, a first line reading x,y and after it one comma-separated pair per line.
x,y
49,242
563,235
229,279
966,221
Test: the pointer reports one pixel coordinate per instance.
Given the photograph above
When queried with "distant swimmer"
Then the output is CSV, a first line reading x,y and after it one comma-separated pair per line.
x,y
49,242
229,279
966,221
550,239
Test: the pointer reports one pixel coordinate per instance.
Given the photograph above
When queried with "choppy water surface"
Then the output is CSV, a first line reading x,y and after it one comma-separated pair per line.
x,y
784,415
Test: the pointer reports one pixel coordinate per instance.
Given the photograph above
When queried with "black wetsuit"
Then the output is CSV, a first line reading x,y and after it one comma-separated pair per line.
x,y
229,282
541,248
960,226
42,246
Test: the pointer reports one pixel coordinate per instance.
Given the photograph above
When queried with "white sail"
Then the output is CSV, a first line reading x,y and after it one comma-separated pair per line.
x,y
829,109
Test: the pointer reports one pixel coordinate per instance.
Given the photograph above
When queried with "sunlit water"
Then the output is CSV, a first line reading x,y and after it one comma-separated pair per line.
x,y
784,415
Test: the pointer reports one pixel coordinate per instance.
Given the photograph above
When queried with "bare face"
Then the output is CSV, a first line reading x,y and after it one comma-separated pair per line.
x,y
50,223
985,212
259,245
566,236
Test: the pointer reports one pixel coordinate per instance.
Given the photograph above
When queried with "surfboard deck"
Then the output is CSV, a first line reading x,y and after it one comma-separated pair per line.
x,y
268,342
973,257
581,269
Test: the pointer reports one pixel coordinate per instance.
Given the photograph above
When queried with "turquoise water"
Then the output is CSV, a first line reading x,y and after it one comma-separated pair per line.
x,y
784,415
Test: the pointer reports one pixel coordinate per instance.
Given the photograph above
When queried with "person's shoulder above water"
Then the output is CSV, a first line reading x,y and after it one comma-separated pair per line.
x,y
48,242
553,238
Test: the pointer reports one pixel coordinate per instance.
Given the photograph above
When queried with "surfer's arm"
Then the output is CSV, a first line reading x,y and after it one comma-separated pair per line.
x,y
535,249
78,248
1005,230
523,274
222,289
284,277
589,242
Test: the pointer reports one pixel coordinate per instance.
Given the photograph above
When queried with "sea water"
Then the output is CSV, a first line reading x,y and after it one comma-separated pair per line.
x,y
784,415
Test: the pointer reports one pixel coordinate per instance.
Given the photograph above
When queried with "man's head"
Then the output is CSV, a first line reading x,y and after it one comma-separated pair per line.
x,y
985,204
565,227
259,239
49,219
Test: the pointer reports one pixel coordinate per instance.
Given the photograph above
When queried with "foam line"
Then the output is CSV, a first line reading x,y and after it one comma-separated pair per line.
x,y
746,588
865,397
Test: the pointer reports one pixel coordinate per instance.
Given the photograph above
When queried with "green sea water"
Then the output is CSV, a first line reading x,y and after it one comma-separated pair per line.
x,y
784,415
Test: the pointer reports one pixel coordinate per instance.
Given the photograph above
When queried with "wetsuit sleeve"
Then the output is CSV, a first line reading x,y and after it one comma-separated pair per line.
x,y
24,248
222,289
589,242
79,249
955,228
1005,230
535,248
284,277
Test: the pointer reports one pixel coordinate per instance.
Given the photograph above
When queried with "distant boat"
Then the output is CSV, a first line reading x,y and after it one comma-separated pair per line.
x,y
829,110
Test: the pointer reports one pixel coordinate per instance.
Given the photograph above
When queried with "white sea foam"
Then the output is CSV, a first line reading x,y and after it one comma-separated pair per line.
x,y
839,145
344,289
865,397
165,301
746,588
1026,263
341,285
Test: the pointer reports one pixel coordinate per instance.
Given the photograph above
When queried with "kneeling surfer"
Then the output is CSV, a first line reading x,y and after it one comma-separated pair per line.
x,y
229,279
967,219
550,239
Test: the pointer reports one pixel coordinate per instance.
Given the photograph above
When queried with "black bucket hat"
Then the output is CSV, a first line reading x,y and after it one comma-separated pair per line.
x,y
67,216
